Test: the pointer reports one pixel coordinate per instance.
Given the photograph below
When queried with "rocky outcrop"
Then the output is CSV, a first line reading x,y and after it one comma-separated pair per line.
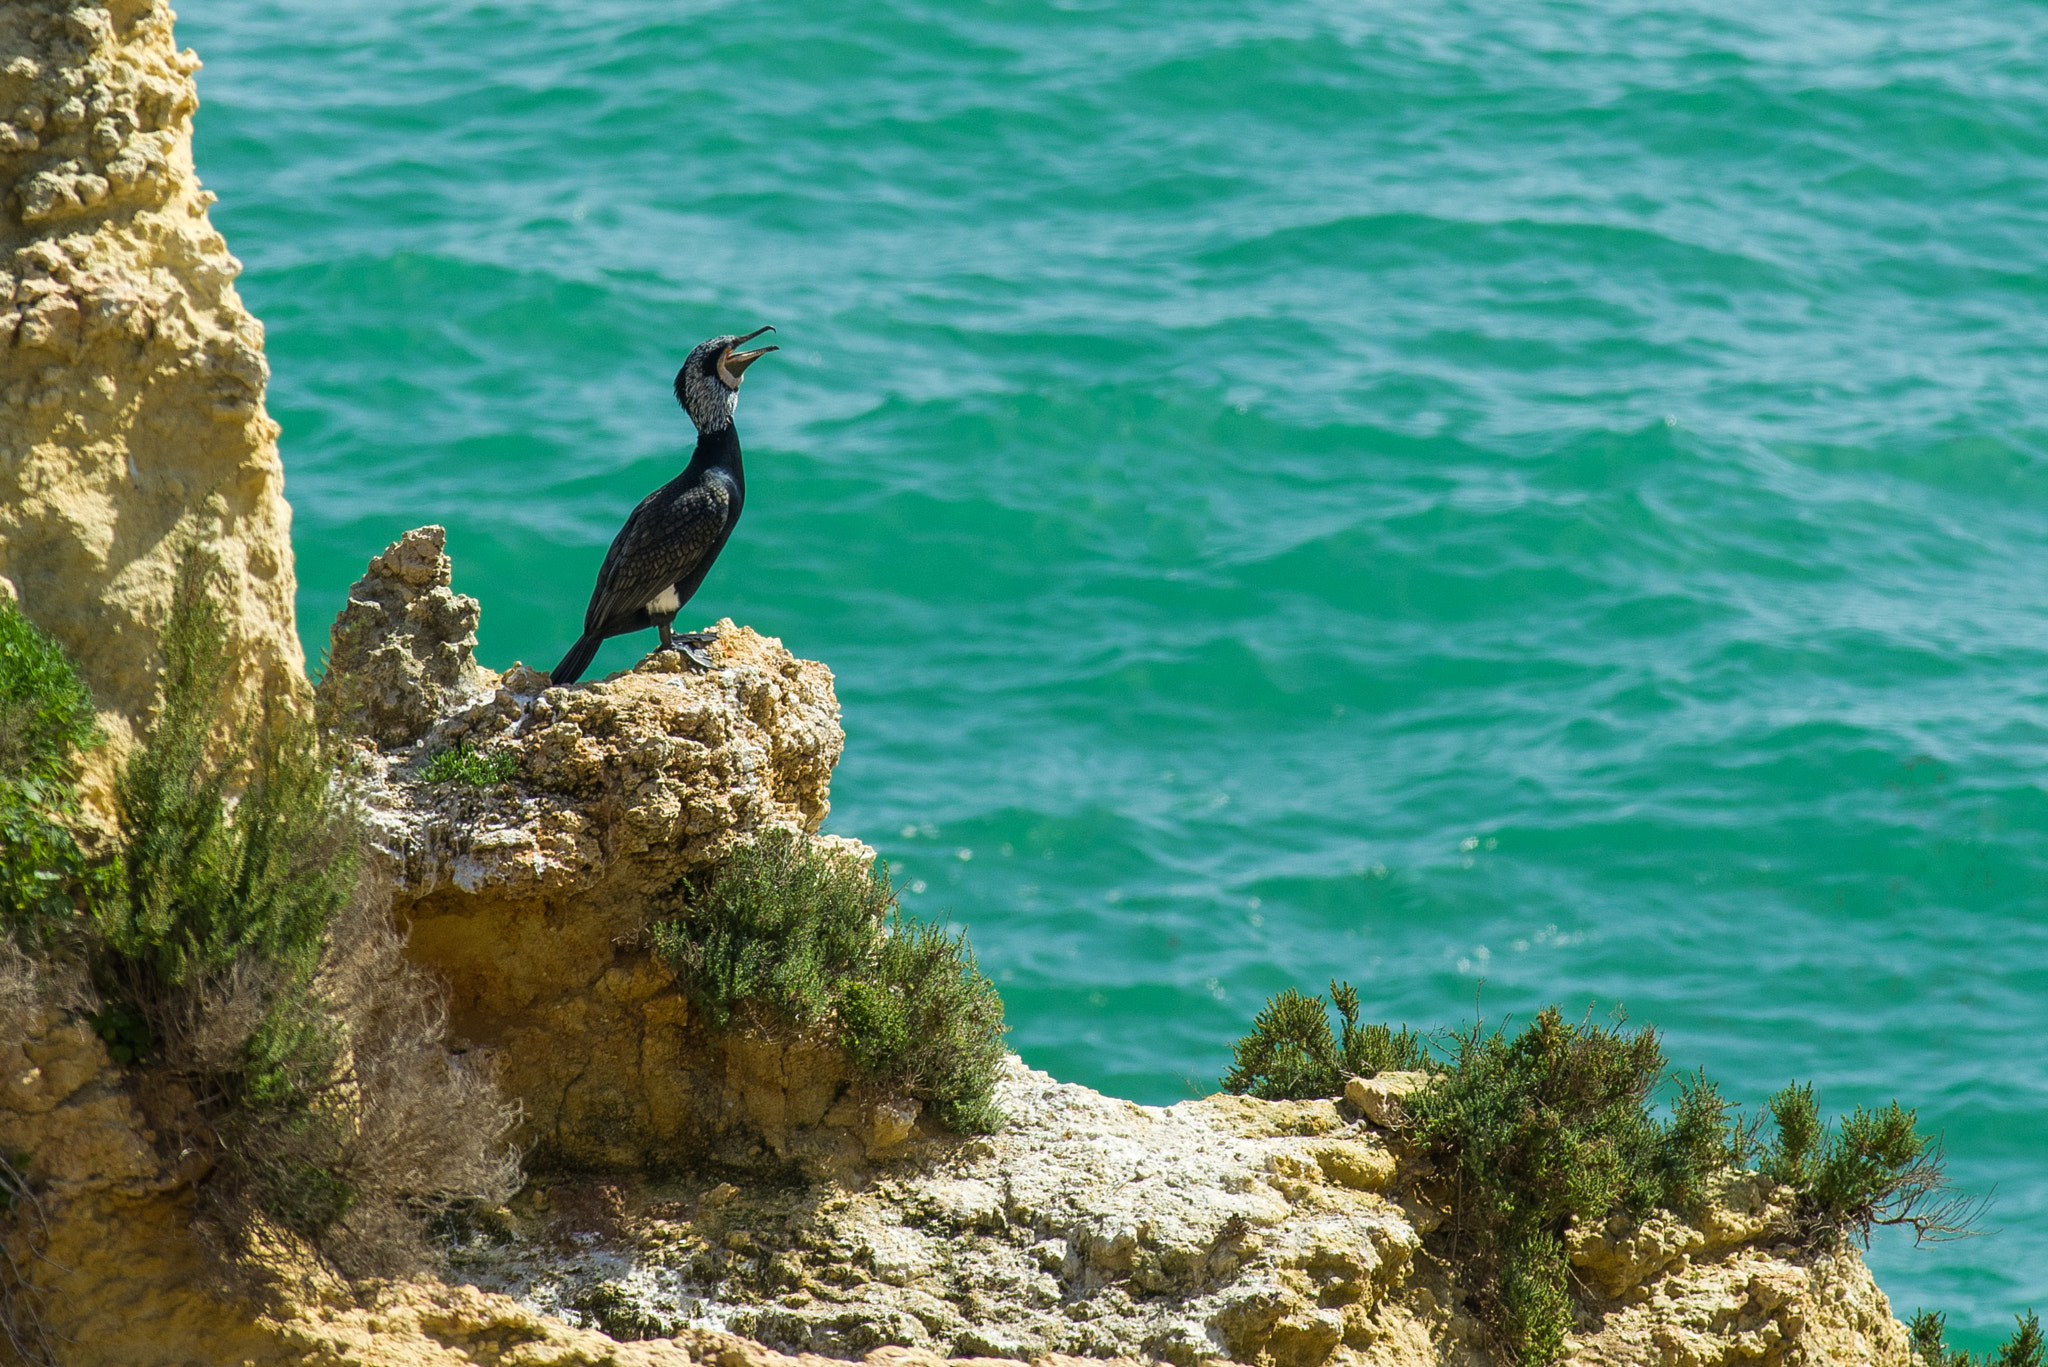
x,y
532,897
1089,1226
131,376
701,1198
1221,1229
107,1268
692,1183
405,645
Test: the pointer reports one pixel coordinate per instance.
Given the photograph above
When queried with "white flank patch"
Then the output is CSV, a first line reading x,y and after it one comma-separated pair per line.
x,y
665,604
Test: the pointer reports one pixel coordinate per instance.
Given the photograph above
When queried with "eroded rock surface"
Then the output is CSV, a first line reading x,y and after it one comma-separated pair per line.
x,y
533,897
1088,1226
104,1242
718,1198
131,376
694,1183
406,644
1220,1229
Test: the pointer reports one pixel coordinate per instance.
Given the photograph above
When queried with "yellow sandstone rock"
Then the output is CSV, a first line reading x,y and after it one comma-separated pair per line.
x,y
747,1185
1379,1098
131,376
532,899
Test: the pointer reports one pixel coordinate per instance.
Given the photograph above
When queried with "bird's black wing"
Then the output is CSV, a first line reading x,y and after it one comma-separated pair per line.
x,y
661,543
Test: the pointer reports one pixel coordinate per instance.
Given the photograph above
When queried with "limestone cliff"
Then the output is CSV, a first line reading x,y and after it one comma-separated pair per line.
x,y
131,376
688,1183
699,1198
531,897
1223,1229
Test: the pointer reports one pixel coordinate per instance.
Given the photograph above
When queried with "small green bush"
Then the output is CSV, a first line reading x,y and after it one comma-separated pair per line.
x,y
2024,1349
1550,1126
1875,1169
1292,1055
46,714
205,892
246,959
221,907
1532,1132
45,878
1535,1305
791,936
464,763
1705,1134
46,722
1553,1125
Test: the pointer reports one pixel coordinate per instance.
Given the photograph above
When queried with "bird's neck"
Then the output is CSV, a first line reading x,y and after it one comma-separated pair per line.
x,y
720,448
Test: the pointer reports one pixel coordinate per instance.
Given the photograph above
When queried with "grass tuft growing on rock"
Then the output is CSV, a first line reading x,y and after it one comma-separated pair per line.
x,y
1930,1348
1292,1054
464,763
791,935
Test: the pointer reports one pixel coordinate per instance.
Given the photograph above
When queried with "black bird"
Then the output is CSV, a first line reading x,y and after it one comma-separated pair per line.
x,y
666,547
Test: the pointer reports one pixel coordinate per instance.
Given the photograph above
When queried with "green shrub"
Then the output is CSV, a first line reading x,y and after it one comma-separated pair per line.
x,y
204,892
791,936
464,763
214,947
2023,1349
1875,1169
1705,1135
246,959
45,878
1535,1306
1554,1125
46,714
1529,1132
1292,1055
46,722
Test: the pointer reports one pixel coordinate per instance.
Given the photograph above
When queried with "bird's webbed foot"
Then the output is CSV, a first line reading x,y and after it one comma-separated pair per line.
x,y
691,646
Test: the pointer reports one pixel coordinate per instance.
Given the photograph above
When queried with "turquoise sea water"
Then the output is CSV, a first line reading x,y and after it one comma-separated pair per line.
x,y
1552,494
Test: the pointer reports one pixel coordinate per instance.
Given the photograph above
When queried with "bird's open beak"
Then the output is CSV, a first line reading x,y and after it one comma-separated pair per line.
x,y
736,362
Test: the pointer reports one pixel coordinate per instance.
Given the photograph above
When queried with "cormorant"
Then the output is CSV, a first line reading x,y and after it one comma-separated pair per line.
x,y
666,547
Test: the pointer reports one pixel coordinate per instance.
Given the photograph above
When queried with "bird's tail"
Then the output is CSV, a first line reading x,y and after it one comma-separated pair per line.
x,y
576,661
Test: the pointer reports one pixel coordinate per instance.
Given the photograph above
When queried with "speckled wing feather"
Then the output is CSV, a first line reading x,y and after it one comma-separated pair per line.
x,y
660,543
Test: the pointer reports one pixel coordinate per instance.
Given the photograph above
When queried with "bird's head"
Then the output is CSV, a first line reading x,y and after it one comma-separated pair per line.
x,y
708,385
